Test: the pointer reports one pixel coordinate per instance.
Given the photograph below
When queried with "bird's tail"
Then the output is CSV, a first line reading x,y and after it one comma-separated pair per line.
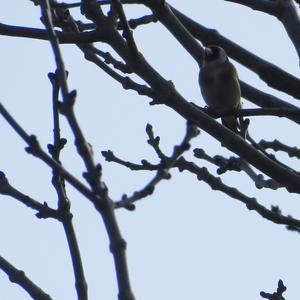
x,y
233,123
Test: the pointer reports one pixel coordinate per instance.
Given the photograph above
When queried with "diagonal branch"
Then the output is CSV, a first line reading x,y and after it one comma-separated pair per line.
x,y
274,76
19,277
236,164
35,149
126,82
284,10
127,32
252,204
44,211
278,146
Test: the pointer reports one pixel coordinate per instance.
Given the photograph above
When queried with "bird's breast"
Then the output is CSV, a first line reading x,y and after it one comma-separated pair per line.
x,y
220,89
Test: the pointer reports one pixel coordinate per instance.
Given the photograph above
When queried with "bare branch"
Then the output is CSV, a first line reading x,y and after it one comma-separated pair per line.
x,y
278,294
285,10
279,112
237,164
19,277
41,34
166,163
266,100
35,149
64,203
216,184
126,82
127,32
144,166
109,59
278,146
273,215
44,211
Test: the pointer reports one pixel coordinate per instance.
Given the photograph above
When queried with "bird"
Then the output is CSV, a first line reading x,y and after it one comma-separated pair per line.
x,y
219,84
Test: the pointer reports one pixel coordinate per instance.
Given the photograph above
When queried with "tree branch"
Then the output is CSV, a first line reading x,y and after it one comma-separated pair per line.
x,y
237,164
64,203
278,146
19,277
44,211
285,10
166,163
271,74
216,184
101,200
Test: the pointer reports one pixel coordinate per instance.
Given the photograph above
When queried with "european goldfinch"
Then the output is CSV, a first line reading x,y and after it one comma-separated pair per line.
x,y
219,84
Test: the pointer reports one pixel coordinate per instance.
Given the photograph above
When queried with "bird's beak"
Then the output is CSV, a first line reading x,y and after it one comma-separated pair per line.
x,y
208,51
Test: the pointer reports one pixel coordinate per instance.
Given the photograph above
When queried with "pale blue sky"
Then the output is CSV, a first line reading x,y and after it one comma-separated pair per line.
x,y
185,241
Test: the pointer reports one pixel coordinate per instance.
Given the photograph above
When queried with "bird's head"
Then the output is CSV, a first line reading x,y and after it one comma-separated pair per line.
x,y
214,54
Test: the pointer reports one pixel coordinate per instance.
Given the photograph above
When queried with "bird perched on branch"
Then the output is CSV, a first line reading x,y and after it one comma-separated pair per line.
x,y
219,84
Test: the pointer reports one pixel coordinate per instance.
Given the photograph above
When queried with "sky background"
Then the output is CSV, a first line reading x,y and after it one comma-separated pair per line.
x,y
185,241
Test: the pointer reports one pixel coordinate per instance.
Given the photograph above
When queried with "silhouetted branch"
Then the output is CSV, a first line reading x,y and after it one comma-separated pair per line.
x,y
35,149
44,211
41,34
284,10
278,294
162,170
64,203
273,215
127,33
109,59
126,82
278,146
144,166
19,277
265,100
278,112
216,184
77,4
237,164
134,23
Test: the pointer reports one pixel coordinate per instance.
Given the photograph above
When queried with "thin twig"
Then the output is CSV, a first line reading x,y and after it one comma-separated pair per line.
x,y
216,184
279,146
278,295
125,81
162,171
144,166
44,211
127,32
35,149
237,164
63,201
